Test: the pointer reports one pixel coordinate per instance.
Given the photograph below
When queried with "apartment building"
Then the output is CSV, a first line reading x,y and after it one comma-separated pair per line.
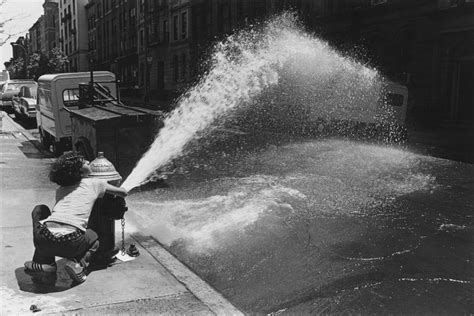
x,y
44,34
113,45
36,43
74,34
51,24
426,45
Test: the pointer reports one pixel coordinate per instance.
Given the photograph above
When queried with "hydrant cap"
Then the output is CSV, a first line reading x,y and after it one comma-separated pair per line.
x,y
103,168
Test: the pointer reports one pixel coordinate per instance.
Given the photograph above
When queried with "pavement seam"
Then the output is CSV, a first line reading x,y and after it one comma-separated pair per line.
x,y
193,283
120,302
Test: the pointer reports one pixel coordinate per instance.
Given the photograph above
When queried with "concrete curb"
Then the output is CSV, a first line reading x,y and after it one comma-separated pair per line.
x,y
199,288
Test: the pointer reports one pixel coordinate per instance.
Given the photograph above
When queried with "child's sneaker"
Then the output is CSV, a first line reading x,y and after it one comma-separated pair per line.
x,y
40,267
75,271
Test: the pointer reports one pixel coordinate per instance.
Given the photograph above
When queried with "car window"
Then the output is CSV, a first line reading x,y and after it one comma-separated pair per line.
x,y
394,99
71,97
13,87
16,86
29,91
33,92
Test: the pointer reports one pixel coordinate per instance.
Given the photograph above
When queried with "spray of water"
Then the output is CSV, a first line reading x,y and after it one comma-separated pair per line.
x,y
242,67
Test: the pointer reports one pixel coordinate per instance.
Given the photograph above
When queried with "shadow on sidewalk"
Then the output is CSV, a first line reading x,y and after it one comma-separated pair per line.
x,y
44,282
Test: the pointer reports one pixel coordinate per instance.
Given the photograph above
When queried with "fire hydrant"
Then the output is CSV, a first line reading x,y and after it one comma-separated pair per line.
x,y
106,210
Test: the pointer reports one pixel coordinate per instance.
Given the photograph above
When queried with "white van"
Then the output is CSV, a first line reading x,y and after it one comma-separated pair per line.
x,y
56,93
382,117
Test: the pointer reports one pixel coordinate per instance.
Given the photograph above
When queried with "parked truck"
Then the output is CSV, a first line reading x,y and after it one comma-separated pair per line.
x,y
83,112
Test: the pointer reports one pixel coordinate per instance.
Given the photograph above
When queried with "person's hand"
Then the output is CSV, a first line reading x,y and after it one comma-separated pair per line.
x,y
119,191
125,192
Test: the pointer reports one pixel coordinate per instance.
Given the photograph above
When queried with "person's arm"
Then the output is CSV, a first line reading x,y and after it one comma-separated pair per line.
x,y
112,189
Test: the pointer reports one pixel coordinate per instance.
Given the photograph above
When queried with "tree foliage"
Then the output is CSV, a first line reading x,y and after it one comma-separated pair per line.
x,y
57,61
38,65
16,68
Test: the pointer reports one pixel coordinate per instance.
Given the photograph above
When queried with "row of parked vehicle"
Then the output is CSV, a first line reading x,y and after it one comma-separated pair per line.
x,y
19,97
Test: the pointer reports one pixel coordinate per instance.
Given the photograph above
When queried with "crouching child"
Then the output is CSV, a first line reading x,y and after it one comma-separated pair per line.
x,y
63,231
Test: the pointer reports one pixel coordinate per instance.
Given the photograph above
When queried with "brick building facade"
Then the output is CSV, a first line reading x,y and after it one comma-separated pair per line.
x,y
426,45
112,33
73,33
51,24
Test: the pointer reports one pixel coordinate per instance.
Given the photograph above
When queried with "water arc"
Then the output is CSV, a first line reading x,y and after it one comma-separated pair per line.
x,y
248,63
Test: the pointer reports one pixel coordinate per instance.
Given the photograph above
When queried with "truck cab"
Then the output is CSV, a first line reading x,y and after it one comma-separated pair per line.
x,y
57,95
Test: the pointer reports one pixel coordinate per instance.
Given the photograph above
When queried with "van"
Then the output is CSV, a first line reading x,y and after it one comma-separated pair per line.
x,y
383,118
58,93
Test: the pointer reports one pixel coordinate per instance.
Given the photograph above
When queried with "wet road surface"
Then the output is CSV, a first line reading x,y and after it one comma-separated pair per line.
x,y
294,225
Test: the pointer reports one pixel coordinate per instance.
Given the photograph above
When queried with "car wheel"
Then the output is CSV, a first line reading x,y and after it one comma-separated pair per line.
x,y
44,139
57,148
84,148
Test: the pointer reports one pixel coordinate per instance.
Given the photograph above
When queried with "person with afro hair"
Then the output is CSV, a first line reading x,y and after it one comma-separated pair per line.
x,y
63,231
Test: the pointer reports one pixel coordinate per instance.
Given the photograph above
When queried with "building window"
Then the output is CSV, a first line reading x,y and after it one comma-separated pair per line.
x,y
184,25
166,31
155,28
175,28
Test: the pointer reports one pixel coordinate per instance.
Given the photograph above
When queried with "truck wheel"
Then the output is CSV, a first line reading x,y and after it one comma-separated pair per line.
x,y
17,115
84,148
57,148
44,139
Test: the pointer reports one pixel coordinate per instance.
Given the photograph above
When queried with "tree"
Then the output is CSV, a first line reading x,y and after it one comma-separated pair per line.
x,y
16,68
57,61
37,66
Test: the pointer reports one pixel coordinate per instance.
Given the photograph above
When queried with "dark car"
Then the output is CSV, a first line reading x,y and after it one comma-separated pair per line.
x,y
10,89
24,104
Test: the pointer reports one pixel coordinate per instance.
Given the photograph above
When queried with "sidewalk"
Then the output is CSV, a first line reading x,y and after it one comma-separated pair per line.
x,y
154,283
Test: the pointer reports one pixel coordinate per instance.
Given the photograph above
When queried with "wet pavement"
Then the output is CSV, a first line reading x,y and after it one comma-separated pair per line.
x,y
295,225
276,224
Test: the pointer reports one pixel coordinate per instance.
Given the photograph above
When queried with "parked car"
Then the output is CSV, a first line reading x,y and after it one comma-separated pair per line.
x,y
24,104
10,89
4,76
